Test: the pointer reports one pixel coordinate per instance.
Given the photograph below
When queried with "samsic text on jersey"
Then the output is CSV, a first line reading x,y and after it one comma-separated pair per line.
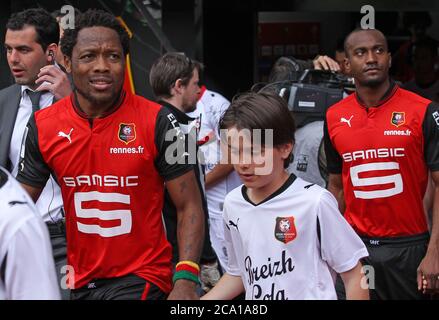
x,y
384,154
111,172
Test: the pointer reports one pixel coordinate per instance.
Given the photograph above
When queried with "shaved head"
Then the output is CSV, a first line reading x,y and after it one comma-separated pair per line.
x,y
351,36
367,57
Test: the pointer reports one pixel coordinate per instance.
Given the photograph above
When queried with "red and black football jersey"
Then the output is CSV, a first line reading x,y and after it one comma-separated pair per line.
x,y
384,154
111,171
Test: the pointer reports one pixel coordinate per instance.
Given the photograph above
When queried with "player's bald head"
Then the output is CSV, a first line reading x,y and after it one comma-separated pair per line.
x,y
355,37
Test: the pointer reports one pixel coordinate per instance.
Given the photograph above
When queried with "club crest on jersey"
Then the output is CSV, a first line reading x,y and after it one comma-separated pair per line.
x,y
127,132
398,118
285,230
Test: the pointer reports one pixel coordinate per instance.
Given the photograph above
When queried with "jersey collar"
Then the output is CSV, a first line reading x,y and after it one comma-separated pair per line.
x,y
82,114
203,90
284,187
393,87
180,115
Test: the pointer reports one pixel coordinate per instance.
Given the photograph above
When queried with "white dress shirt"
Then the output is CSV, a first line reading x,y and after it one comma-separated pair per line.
x,y
50,202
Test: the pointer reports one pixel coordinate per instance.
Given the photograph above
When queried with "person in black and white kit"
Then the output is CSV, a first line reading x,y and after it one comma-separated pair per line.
x,y
174,79
27,271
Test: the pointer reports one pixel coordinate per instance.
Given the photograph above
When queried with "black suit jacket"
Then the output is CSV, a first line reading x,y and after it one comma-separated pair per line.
x,y
9,102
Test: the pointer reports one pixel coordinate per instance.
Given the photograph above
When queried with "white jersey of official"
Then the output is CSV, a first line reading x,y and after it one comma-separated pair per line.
x,y
27,269
210,109
275,248
306,151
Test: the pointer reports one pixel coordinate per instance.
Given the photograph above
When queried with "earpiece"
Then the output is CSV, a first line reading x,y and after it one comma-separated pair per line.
x,y
52,55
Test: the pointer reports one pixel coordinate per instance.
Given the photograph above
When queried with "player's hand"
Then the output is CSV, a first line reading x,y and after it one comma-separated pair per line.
x,y
53,79
325,63
184,290
428,273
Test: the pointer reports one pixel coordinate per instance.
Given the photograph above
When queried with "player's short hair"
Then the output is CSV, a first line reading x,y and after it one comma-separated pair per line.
x,y
45,25
346,40
261,110
170,67
89,19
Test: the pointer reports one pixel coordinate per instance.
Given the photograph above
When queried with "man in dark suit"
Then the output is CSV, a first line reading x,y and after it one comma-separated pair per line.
x,y
31,42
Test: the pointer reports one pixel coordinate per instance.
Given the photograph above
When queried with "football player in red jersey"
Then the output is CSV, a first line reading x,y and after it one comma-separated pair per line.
x,y
380,144
108,150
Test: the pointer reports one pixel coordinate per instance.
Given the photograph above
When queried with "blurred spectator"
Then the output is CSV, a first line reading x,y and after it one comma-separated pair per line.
x,y
220,177
425,81
417,23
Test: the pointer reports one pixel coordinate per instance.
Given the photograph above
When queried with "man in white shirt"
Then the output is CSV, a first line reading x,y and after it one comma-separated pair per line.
x,y
27,271
220,177
31,43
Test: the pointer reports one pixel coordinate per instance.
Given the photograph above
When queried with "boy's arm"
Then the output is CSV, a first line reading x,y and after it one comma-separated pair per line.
x,y
227,288
353,280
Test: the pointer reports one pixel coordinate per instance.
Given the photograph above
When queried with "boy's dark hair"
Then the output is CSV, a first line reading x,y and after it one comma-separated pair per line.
x,y
261,111
45,25
170,67
93,18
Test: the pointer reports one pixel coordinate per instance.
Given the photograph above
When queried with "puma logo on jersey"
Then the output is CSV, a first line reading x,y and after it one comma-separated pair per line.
x,y
309,186
347,121
14,203
65,135
232,224
91,285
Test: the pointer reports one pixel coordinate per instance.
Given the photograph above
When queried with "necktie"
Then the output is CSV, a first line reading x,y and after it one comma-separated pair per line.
x,y
35,99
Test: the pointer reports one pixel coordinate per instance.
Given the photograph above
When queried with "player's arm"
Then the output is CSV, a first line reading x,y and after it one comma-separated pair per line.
x,y
428,271
335,186
352,281
218,173
227,288
334,166
428,198
190,228
33,172
182,185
